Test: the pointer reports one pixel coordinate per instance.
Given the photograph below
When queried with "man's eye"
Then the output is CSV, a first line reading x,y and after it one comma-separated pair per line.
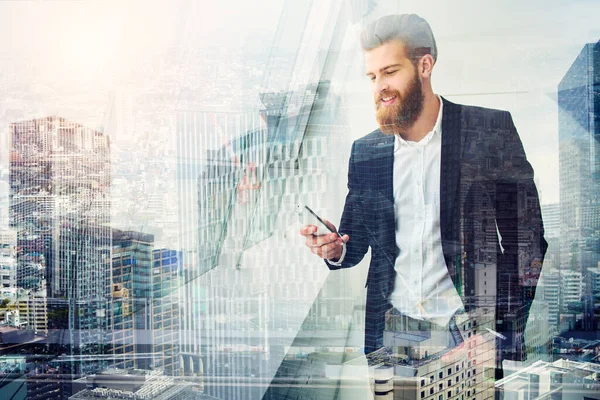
x,y
391,72
372,78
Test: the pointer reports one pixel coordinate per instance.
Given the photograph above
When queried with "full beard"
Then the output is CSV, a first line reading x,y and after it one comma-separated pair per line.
x,y
400,116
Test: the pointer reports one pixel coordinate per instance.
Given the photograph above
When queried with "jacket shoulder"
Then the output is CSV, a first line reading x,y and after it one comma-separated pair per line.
x,y
372,138
477,115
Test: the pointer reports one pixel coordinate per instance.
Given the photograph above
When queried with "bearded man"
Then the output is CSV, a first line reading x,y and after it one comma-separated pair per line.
x,y
444,197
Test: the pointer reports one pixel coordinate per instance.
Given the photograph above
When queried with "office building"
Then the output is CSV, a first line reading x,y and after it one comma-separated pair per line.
x,y
253,282
579,159
579,162
593,280
59,175
145,314
165,310
198,133
550,295
558,380
414,363
8,259
551,218
133,384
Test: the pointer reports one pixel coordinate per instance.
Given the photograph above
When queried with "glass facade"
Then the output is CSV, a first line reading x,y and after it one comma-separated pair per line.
x,y
156,159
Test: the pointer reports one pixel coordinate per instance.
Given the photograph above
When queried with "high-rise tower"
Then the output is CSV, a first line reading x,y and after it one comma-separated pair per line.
x,y
579,156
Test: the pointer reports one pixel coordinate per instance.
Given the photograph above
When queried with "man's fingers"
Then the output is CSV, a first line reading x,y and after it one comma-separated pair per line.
x,y
330,250
308,230
317,241
328,246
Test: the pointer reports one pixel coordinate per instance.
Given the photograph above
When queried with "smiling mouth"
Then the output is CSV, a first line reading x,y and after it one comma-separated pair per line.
x,y
388,100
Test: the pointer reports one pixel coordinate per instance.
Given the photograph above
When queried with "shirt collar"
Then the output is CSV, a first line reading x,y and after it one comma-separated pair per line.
x,y
437,130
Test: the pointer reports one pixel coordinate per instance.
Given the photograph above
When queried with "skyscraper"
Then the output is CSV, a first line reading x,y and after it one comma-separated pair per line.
x,y
60,207
579,161
253,281
198,132
145,313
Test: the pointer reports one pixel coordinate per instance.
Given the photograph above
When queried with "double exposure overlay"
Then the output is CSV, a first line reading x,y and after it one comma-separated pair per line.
x,y
163,165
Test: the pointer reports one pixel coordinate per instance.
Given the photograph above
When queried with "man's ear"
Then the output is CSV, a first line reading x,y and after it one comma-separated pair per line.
x,y
426,65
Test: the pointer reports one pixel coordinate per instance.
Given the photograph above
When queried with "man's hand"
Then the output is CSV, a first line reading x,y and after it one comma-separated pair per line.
x,y
328,246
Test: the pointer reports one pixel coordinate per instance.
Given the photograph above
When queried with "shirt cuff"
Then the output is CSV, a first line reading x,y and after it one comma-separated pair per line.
x,y
339,262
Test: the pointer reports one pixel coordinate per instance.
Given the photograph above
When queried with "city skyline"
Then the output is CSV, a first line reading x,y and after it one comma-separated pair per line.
x,y
151,166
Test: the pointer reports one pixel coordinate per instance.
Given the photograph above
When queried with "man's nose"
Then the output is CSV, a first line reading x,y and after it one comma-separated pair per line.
x,y
381,86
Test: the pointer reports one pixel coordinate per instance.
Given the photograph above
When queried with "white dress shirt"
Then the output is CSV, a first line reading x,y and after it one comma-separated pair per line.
x,y
423,288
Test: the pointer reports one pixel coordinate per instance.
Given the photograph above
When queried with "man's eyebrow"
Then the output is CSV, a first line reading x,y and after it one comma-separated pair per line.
x,y
386,67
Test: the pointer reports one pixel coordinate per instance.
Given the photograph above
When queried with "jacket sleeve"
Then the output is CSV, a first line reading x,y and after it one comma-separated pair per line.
x,y
519,223
352,221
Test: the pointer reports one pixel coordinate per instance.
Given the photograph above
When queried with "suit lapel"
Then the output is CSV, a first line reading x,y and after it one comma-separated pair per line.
x,y
381,153
452,149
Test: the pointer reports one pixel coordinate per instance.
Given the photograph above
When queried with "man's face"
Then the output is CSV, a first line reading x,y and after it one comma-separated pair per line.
x,y
396,87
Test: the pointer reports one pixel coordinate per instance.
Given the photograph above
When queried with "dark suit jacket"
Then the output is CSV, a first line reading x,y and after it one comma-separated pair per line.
x,y
486,181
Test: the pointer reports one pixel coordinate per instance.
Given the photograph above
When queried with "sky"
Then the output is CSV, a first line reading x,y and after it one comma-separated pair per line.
x,y
505,54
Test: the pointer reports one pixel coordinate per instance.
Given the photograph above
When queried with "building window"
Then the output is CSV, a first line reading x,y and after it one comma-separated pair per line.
x,y
431,391
422,382
423,394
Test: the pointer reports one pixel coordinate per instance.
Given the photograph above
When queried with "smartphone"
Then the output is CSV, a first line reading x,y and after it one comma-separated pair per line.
x,y
309,217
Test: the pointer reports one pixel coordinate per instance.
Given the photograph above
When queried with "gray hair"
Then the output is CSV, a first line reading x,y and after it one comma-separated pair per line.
x,y
413,31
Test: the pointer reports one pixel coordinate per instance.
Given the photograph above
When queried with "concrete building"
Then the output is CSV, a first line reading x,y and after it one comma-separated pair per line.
x,y
133,383
550,295
8,259
559,380
36,311
572,288
415,365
